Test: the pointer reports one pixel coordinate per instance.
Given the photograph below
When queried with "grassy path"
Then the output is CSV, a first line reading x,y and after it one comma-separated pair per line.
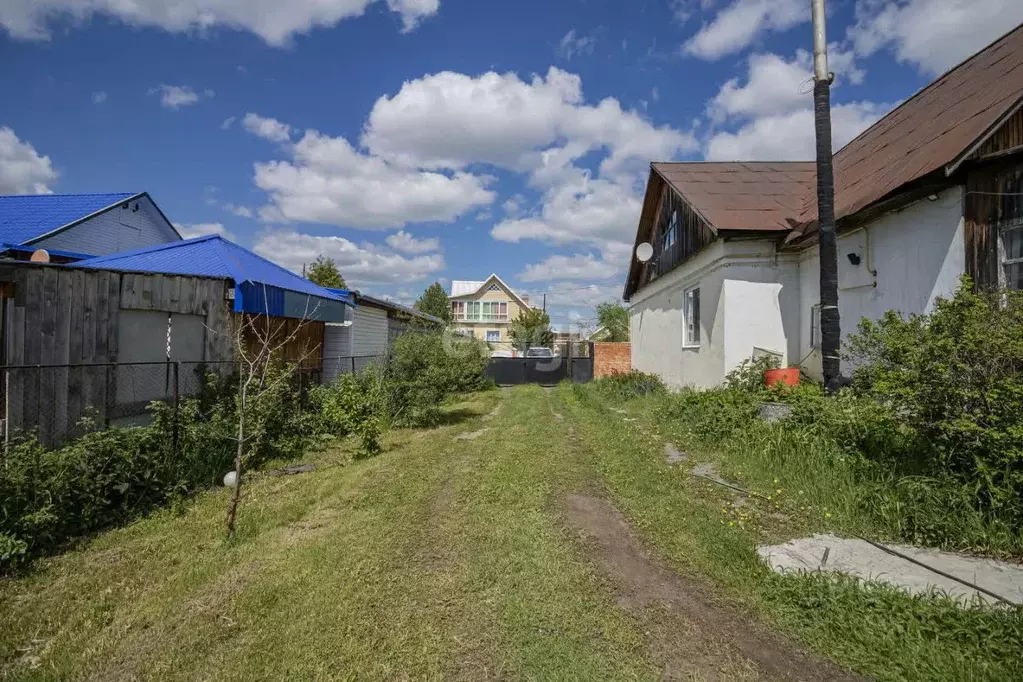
x,y
485,549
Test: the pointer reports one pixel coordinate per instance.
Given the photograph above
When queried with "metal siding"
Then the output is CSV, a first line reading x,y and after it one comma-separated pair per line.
x,y
304,306
337,351
369,331
115,231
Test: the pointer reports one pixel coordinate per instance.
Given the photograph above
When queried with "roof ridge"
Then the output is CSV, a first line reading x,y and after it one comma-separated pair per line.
x,y
268,261
152,249
69,194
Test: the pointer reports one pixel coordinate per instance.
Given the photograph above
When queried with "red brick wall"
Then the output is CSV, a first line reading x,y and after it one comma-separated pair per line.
x,y
611,357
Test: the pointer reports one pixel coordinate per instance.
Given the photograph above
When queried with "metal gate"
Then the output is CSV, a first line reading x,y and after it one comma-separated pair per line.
x,y
543,371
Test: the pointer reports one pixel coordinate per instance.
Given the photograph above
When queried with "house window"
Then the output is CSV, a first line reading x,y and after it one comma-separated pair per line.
x,y
493,336
495,311
691,317
671,234
472,311
458,309
1010,252
815,326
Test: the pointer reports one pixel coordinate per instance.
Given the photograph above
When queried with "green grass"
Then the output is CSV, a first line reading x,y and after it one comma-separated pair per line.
x,y
448,558
873,629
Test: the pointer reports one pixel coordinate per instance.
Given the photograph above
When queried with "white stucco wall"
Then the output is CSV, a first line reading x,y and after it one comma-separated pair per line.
x,y
918,254
752,297
748,298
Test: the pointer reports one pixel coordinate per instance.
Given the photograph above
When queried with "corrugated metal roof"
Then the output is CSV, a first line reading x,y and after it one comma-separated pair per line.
x,y
929,130
742,195
25,217
209,256
465,287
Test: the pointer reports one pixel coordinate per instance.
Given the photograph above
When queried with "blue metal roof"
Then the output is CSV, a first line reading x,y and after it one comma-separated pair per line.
x,y
24,218
345,295
74,255
210,256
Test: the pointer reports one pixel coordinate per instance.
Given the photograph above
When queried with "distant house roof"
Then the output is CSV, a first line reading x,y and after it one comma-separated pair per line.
x,y
210,256
27,218
742,195
461,287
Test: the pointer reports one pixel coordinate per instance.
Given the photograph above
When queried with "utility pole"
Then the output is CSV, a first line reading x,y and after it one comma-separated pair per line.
x,y
830,324
545,302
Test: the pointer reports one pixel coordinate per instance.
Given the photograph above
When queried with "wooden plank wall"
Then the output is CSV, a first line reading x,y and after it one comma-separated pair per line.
x,y
68,316
1007,138
993,198
306,346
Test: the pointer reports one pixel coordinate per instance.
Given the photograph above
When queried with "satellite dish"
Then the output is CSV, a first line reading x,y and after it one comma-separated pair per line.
x,y
40,256
644,252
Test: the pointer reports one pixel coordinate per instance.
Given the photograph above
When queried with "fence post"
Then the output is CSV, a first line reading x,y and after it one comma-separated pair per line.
x,y
177,418
353,364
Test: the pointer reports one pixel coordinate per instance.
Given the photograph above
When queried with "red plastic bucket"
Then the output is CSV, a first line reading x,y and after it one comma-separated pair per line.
x,y
789,376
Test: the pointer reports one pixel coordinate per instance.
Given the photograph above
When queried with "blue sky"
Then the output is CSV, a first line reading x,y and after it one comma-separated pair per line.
x,y
417,140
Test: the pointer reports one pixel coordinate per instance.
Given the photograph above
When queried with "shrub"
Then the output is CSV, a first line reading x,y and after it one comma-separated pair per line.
x,y
748,375
106,477
955,377
625,385
425,369
352,405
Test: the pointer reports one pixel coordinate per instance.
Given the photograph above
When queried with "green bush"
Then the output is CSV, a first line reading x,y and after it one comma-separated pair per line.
x,y
625,385
425,369
352,405
107,477
749,374
954,377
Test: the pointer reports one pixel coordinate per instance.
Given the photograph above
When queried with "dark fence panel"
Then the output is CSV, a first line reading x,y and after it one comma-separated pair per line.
x,y
544,371
582,370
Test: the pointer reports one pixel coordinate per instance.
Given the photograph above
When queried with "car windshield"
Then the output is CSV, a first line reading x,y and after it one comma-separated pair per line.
x,y
539,353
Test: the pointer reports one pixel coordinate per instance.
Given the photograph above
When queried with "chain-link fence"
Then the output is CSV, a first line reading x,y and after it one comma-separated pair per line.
x,y
56,403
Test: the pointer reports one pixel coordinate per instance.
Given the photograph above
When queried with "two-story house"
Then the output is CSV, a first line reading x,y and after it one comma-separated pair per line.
x,y
486,309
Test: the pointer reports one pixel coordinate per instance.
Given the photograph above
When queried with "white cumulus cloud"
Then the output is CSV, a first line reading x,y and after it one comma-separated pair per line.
x,y
22,169
176,96
736,26
328,181
579,266
192,230
360,264
274,21
267,128
790,137
933,35
404,242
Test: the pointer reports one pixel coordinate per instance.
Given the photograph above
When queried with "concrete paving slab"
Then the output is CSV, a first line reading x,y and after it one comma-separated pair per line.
x,y
863,560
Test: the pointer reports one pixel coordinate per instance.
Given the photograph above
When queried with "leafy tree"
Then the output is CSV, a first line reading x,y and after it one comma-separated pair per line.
x,y
434,301
532,328
614,318
324,272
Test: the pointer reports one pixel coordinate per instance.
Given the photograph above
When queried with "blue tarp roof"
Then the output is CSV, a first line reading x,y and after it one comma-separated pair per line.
x,y
210,256
27,217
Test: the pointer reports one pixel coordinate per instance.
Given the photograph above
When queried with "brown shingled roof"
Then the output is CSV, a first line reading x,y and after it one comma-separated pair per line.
x,y
929,131
744,195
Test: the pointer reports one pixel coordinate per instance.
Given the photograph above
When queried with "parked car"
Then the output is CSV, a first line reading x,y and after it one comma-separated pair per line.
x,y
540,352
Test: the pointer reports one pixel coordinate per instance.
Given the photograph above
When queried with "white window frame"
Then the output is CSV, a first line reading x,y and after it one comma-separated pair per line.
x,y
691,317
1004,262
496,332
815,326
